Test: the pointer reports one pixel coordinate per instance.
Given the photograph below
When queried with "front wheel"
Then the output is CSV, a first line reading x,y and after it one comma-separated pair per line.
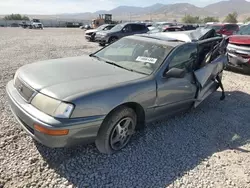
x,y
116,131
102,44
112,40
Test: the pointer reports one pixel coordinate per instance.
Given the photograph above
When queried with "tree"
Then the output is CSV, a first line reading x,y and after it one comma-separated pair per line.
x,y
210,19
247,20
16,17
191,19
231,18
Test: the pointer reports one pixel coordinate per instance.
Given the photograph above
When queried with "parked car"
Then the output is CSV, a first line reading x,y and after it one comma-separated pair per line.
x,y
239,50
224,29
113,92
160,24
34,24
90,34
166,29
188,27
119,31
86,27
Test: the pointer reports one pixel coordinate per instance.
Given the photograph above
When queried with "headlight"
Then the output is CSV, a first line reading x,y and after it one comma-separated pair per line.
x,y
52,106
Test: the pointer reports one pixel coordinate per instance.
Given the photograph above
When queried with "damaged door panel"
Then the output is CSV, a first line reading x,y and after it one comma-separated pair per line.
x,y
208,76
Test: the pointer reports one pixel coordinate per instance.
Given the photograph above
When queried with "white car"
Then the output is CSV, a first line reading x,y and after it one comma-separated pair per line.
x,y
36,24
158,24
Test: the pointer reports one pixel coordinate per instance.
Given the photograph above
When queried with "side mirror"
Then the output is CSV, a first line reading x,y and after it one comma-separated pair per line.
x,y
175,73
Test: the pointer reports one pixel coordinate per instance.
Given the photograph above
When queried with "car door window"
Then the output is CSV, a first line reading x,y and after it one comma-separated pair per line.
x,y
136,28
184,58
229,27
235,27
127,29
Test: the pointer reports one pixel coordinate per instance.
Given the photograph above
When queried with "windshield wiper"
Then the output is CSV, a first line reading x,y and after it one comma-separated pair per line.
x,y
114,64
132,70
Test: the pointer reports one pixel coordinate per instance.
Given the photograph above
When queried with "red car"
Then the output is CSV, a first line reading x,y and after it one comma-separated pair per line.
x,y
238,50
224,29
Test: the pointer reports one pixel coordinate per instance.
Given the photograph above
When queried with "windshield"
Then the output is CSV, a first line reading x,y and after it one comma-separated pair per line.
x,y
118,27
215,27
244,30
139,55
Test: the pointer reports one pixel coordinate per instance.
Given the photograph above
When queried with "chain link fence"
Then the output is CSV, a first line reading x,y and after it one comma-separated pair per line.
x,y
46,23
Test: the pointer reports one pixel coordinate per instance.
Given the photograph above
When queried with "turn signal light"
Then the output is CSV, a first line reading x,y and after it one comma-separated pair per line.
x,y
51,132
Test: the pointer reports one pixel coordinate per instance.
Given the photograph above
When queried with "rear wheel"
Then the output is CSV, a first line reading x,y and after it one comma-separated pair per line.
x,y
116,130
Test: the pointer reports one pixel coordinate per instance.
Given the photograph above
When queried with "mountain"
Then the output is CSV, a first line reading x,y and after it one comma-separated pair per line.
x,y
225,7
182,9
170,11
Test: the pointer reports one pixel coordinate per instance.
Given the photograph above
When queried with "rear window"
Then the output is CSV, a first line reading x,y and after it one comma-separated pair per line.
x,y
231,27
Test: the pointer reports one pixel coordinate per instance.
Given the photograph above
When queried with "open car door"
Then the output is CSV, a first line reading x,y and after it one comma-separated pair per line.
x,y
209,73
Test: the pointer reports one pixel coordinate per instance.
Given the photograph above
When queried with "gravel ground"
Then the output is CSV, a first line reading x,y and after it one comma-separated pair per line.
x,y
206,147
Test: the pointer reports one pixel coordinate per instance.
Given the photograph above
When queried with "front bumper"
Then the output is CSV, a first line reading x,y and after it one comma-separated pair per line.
x,y
81,130
238,63
238,57
88,37
100,39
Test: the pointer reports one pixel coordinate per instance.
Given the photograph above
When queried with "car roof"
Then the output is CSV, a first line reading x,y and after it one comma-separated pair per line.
x,y
126,23
157,40
184,36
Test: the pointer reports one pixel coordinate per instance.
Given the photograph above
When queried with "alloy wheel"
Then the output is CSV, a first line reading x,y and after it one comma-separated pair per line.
x,y
122,133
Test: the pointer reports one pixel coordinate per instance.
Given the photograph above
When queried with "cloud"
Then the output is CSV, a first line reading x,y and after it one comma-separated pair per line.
x,y
53,6
79,6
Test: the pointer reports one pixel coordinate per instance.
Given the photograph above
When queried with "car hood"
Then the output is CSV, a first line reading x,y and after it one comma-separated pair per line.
x,y
91,31
239,39
63,78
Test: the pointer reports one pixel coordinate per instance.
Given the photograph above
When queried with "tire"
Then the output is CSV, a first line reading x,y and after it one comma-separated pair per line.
x,y
116,130
102,44
112,40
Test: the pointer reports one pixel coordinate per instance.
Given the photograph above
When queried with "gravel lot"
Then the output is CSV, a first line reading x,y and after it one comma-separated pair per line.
x,y
206,147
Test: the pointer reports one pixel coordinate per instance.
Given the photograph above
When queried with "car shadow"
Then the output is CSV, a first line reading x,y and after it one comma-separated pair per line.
x,y
163,151
238,71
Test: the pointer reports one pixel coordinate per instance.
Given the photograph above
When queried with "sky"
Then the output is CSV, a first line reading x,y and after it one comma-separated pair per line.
x,y
79,6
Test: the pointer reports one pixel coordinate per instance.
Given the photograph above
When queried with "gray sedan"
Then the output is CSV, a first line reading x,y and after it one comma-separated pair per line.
x,y
107,96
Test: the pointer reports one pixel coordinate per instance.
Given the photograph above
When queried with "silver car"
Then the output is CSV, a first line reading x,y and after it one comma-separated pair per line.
x,y
107,96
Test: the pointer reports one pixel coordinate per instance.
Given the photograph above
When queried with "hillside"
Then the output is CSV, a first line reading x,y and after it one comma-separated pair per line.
x,y
224,7
166,11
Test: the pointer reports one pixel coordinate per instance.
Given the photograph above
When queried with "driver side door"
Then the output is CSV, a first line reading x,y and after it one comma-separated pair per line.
x,y
177,94
126,31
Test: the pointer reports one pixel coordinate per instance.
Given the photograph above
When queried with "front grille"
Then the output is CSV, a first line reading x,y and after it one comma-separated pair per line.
x,y
24,90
